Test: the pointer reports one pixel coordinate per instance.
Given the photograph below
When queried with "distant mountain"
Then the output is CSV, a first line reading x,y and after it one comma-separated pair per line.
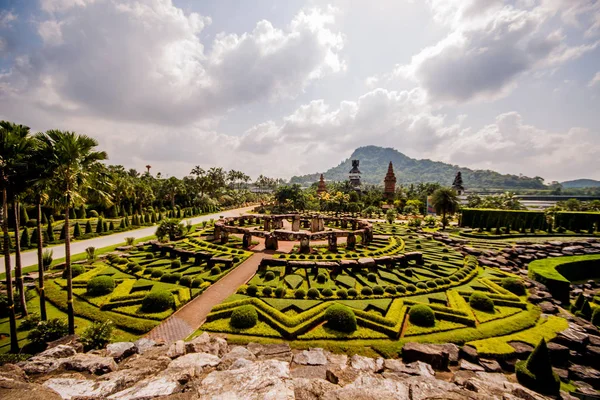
x,y
374,162
580,183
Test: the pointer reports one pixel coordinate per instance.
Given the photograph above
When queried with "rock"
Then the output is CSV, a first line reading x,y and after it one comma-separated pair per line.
x,y
490,365
309,371
268,380
59,351
559,354
361,363
234,354
144,344
16,390
592,356
40,365
585,374
310,357
563,374
148,388
469,353
522,350
70,340
192,365
370,386
572,339
548,308
120,350
91,363
12,372
341,376
464,364
311,389
594,340
70,387
418,368
453,352
426,389
279,351
431,354
337,359
176,349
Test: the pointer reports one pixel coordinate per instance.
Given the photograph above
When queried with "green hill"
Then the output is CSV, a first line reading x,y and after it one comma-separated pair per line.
x,y
374,161
580,183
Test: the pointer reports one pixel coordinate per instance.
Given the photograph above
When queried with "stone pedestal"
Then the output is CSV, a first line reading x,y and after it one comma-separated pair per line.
x,y
354,224
317,225
242,221
304,245
224,237
367,236
344,224
267,225
271,243
296,224
332,243
217,233
246,240
351,242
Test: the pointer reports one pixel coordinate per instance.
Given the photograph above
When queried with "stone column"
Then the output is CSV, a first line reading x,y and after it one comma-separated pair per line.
x,y
296,223
305,244
344,224
217,233
351,242
267,225
314,224
242,221
271,242
353,224
332,242
224,237
246,240
321,225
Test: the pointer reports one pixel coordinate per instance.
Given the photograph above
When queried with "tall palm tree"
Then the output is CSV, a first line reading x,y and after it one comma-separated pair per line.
x,y
445,201
72,159
13,147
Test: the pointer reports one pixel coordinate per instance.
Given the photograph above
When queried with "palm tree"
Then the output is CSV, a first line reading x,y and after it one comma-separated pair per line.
x,y
72,159
13,147
445,201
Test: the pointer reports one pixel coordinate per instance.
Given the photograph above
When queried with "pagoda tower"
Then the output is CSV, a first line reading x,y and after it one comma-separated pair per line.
x,y
354,176
389,183
321,188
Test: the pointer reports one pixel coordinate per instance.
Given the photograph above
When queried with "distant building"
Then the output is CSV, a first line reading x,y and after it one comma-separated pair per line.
x,y
354,176
321,188
389,183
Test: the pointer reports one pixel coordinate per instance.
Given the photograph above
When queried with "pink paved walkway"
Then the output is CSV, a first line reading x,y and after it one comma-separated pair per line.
x,y
189,318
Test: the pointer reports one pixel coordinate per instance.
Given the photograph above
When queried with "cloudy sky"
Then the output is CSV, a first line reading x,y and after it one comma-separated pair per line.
x,y
293,87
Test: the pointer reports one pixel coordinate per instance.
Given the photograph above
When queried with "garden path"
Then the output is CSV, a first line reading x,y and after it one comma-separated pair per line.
x,y
30,257
187,319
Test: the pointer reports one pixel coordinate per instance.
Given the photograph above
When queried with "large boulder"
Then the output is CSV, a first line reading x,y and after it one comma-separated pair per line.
x,y
17,390
434,355
69,388
207,344
310,357
368,364
90,363
121,350
235,353
369,386
573,339
279,351
59,351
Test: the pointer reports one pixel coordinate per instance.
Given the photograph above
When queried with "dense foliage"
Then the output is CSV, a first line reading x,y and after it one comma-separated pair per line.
x,y
97,335
47,331
244,317
481,301
100,285
158,301
421,315
340,318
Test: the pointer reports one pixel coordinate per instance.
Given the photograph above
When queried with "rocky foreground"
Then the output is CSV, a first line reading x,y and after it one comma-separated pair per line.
x,y
209,368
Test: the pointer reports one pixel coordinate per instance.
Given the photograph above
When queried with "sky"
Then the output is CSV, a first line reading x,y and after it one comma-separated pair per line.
x,y
284,88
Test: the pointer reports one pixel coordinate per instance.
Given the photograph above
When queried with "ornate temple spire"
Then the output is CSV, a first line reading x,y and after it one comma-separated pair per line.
x,y
389,182
321,188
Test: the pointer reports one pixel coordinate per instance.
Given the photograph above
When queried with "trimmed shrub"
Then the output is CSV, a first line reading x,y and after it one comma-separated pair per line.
x,y
421,315
372,277
76,270
411,288
159,301
390,289
596,317
131,265
299,294
377,290
175,264
536,372
327,292
321,278
196,282
341,293
439,281
312,293
400,289
352,292
244,317
421,285
366,291
215,271
481,301
340,318
431,284
279,291
29,322
514,286
157,273
186,281
100,285
149,256
267,291
252,290
269,276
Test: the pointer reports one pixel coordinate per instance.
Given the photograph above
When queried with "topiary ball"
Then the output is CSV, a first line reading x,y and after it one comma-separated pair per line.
x,y
352,292
157,273
100,285
341,293
186,281
131,265
431,284
366,291
400,289
312,293
175,264
299,293
76,270
158,301
372,277
149,256
340,318
377,290
421,285
197,282
267,291
390,289
514,286
137,268
481,301
244,317
321,278
280,292
327,292
411,288
421,315
252,290
269,276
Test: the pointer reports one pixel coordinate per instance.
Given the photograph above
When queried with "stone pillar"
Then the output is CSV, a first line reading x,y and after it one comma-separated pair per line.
x,y
246,240
217,234
321,225
367,236
337,223
351,242
332,242
353,224
344,224
267,225
305,244
242,221
224,237
296,223
314,224
271,242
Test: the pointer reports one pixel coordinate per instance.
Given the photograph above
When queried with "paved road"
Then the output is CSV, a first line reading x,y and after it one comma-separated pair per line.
x,y
30,257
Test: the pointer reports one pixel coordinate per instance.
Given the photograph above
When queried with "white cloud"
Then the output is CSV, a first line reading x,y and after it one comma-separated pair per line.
x,y
595,80
145,60
490,44
6,18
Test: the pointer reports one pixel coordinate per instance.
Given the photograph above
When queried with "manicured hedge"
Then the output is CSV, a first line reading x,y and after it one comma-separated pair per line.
x,y
578,221
158,301
489,219
100,285
421,315
244,317
340,318
556,272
